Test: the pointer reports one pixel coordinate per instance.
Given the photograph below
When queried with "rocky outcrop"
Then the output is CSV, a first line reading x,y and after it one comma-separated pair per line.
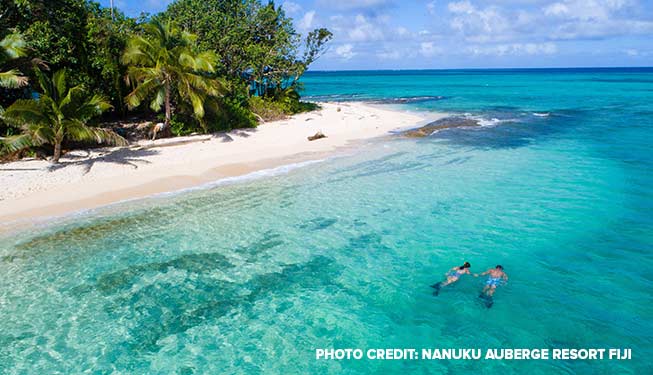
x,y
445,123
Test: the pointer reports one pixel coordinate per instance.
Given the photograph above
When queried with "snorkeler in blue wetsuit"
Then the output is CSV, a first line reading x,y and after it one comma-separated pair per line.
x,y
496,277
452,276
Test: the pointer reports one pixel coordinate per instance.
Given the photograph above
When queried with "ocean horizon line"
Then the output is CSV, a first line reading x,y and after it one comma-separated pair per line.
x,y
570,68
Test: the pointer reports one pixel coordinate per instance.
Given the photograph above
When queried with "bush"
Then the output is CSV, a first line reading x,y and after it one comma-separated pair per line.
x,y
234,114
281,105
268,110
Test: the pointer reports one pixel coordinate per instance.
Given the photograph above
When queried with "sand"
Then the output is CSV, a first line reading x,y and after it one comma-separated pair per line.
x,y
84,179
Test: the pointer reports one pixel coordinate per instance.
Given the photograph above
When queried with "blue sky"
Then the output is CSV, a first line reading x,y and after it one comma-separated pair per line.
x,y
411,34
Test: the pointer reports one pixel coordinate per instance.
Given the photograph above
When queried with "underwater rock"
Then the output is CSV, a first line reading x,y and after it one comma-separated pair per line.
x,y
445,123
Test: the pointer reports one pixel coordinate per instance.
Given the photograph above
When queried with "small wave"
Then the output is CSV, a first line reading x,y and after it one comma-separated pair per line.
x,y
489,122
263,173
541,114
47,221
335,97
409,99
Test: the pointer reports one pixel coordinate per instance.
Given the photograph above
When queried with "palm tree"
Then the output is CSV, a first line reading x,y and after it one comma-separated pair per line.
x,y
59,113
11,47
163,64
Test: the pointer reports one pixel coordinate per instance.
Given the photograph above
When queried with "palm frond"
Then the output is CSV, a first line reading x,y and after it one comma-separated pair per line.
x,y
206,61
41,134
12,79
59,84
78,131
12,46
45,83
92,107
197,102
24,112
141,92
71,97
17,142
159,99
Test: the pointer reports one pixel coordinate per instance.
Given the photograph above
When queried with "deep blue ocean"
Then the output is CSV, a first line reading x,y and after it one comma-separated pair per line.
x,y
252,277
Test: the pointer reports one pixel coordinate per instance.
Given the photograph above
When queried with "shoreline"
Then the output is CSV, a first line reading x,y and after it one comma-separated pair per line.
x,y
90,179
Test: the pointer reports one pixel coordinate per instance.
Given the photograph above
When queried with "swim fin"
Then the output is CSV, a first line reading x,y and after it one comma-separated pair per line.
x,y
437,287
488,301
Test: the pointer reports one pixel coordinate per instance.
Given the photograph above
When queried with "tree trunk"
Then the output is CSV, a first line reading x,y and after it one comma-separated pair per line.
x,y
168,106
57,151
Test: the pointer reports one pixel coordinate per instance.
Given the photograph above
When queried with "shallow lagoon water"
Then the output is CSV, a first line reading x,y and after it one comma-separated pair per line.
x,y
253,276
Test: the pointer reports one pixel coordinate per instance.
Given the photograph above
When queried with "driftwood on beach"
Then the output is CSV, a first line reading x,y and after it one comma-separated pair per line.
x,y
445,123
317,135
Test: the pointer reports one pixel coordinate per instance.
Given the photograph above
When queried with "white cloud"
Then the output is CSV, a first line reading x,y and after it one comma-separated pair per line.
x,y
402,32
389,54
307,21
431,7
364,30
355,4
514,49
427,49
291,7
345,51
585,9
576,19
478,25
556,9
461,7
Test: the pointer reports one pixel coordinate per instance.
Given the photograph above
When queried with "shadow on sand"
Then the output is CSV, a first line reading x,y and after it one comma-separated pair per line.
x,y
124,156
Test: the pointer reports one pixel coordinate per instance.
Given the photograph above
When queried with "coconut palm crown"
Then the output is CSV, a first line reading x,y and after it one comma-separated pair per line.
x,y
59,113
163,67
12,46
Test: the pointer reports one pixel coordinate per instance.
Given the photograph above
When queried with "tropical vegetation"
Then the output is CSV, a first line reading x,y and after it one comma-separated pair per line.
x,y
59,113
199,66
12,47
164,67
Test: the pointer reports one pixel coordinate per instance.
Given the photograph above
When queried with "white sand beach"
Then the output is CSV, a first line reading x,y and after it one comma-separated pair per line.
x,y
31,189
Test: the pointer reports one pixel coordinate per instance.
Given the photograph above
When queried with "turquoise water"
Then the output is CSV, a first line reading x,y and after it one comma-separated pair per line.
x,y
252,277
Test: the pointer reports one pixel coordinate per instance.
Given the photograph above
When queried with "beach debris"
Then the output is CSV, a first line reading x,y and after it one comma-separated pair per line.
x,y
317,135
144,125
338,109
441,124
159,127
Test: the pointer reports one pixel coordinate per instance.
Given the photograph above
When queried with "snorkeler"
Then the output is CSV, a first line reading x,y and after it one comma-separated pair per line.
x,y
496,276
452,276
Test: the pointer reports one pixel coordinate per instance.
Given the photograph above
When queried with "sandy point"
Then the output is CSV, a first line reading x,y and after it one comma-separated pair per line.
x,y
36,189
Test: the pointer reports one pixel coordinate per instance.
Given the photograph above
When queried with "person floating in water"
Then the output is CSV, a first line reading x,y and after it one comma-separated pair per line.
x,y
495,278
452,276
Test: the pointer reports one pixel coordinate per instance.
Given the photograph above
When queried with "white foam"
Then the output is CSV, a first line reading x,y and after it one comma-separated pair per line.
x,y
48,221
263,173
489,122
541,114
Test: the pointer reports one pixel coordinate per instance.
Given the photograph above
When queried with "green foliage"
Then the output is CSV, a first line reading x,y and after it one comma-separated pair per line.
x,y
316,44
256,43
77,35
202,73
106,41
236,114
285,103
269,110
12,47
164,68
180,126
61,112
